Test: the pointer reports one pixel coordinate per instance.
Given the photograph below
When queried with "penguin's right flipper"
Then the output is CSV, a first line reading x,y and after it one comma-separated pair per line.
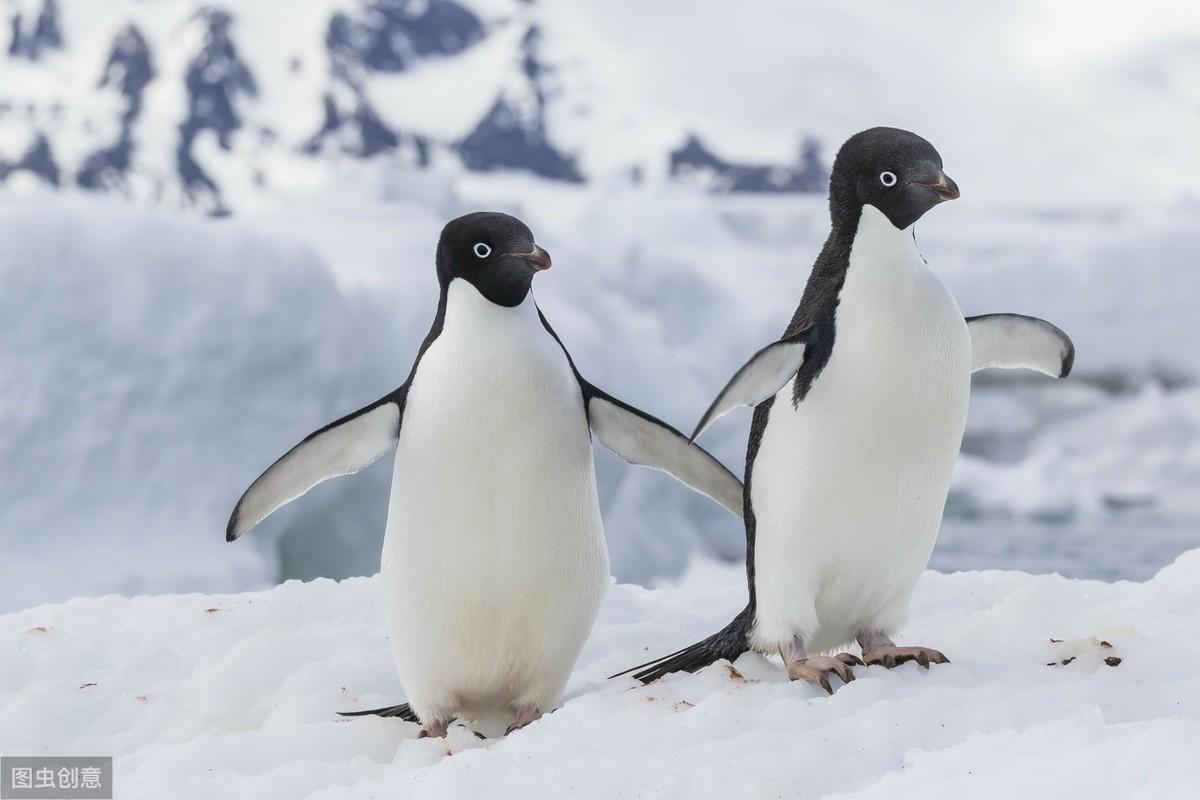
x,y
403,711
761,377
343,447
1015,341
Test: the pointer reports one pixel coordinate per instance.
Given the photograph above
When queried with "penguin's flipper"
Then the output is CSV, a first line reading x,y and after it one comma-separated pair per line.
x,y
642,439
761,377
343,447
1014,341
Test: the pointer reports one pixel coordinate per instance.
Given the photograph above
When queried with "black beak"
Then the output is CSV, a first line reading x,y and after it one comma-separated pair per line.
x,y
944,187
538,258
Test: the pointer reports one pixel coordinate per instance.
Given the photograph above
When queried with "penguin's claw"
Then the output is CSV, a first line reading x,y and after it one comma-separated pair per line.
x,y
851,659
816,670
891,656
522,717
434,730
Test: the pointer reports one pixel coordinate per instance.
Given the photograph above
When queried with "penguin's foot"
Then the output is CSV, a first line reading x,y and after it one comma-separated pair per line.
x,y
817,669
522,716
892,656
434,730
879,649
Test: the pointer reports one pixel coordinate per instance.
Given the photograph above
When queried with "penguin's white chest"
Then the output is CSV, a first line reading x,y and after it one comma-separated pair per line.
x,y
848,488
494,557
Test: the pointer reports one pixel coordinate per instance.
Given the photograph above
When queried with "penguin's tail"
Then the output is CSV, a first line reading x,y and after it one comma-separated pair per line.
x,y
729,643
403,711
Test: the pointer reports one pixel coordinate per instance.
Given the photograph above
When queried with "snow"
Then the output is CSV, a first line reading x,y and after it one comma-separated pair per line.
x,y
128,393
234,696
1148,457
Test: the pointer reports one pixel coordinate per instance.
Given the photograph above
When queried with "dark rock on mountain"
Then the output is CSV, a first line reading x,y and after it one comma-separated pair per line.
x,y
360,132
808,174
39,160
506,140
531,63
106,168
512,136
31,38
129,70
384,36
391,35
215,78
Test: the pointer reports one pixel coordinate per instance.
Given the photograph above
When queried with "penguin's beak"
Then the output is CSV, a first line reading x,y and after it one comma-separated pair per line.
x,y
943,187
538,258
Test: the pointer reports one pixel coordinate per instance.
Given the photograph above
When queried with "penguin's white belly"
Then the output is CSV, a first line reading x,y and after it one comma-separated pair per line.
x,y
494,557
849,487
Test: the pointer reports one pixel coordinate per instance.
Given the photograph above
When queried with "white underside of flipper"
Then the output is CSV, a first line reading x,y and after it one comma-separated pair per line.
x,y
494,559
651,444
848,488
1015,341
761,377
341,449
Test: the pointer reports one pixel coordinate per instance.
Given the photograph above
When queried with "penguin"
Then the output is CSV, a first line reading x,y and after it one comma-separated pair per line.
x,y
859,415
494,561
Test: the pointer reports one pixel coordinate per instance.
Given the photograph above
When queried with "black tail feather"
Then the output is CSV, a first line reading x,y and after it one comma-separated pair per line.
x,y
729,643
403,711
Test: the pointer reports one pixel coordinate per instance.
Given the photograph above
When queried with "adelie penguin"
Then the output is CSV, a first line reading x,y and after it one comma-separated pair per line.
x,y
860,410
494,561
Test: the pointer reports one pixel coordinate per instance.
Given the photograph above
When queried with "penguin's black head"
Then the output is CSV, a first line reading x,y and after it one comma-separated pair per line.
x,y
494,252
896,171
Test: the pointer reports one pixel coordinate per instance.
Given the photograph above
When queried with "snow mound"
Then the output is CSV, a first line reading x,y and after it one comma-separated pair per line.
x,y
148,366
1140,451
234,696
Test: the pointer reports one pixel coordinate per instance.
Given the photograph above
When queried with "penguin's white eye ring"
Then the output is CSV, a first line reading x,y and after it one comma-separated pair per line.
x,y
887,178
482,250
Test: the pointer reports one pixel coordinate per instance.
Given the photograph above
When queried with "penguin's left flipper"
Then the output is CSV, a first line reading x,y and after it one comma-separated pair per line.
x,y
647,441
1014,341
767,371
348,445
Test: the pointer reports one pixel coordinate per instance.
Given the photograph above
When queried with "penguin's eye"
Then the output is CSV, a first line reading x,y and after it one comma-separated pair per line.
x,y
887,178
482,250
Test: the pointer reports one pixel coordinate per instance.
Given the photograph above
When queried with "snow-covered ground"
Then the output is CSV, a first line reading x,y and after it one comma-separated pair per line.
x,y
234,696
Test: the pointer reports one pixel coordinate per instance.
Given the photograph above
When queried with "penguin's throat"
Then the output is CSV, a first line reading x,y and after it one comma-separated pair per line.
x,y
875,226
465,299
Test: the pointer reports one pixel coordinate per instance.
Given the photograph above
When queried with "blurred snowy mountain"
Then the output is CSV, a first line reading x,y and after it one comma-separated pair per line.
x,y
228,107
193,105
672,156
